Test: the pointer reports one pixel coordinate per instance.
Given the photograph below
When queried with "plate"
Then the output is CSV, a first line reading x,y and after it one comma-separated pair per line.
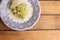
x,y
20,26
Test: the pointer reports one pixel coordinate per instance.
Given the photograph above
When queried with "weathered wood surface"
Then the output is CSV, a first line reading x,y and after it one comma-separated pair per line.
x,y
30,35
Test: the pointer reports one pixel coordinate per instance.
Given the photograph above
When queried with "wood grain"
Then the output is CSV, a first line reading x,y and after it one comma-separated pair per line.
x,y
58,22
50,7
31,35
46,22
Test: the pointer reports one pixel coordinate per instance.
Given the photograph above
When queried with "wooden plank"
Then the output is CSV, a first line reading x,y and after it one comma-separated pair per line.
x,y
58,22
46,22
30,35
50,7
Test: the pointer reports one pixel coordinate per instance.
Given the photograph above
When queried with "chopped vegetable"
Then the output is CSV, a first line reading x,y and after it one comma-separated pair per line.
x,y
20,11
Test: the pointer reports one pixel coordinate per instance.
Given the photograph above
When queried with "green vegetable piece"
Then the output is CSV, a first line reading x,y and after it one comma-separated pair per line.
x,y
20,11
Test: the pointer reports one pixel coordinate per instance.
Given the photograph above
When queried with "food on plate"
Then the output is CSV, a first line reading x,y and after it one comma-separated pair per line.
x,y
22,11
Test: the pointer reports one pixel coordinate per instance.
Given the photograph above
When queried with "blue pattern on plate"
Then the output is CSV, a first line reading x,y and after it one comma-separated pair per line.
x,y
20,26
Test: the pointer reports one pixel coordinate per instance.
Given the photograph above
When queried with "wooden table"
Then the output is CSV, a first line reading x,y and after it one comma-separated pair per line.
x,y
30,35
50,19
50,16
